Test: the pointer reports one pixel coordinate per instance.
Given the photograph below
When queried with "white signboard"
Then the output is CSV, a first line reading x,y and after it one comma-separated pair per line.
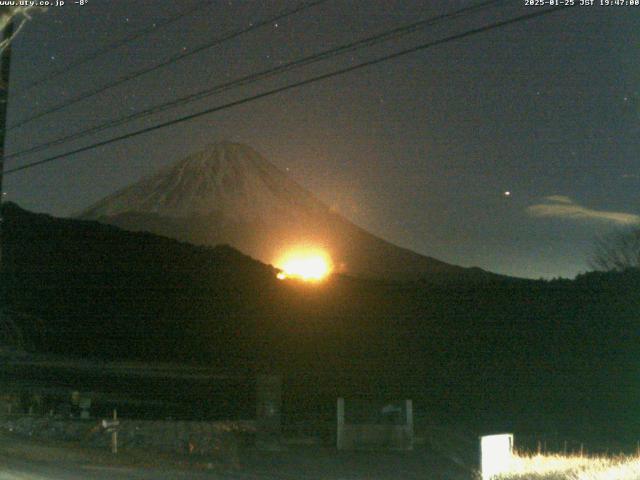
x,y
496,453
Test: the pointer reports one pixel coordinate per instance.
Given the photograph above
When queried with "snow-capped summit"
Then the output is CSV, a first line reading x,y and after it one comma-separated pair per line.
x,y
228,178
228,193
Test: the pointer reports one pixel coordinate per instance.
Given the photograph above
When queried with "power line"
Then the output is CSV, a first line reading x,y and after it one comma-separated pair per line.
x,y
175,58
308,81
248,79
117,44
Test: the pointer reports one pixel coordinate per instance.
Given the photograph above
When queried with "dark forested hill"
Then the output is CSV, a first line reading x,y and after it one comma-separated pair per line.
x,y
509,353
107,292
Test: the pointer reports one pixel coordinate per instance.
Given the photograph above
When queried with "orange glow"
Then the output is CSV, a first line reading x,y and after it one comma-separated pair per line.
x,y
311,265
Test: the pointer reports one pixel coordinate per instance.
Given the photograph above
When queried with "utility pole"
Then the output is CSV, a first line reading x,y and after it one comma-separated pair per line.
x,y
5,69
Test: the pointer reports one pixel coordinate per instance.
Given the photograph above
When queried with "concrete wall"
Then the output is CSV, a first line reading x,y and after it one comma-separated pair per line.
x,y
363,436
206,438
374,435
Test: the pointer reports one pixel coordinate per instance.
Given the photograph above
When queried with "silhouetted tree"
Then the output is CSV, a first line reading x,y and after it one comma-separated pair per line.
x,y
617,252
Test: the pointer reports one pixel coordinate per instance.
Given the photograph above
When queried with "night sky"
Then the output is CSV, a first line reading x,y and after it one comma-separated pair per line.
x,y
511,150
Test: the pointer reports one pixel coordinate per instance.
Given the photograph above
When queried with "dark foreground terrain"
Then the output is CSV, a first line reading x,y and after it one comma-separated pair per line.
x,y
557,357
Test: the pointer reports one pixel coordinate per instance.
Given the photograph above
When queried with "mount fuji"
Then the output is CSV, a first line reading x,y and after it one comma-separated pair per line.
x,y
229,194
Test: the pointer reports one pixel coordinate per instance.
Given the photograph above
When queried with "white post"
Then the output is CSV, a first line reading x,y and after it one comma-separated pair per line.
x,y
340,431
409,424
114,434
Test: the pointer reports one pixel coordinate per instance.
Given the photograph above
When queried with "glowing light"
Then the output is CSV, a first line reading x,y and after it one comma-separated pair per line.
x,y
310,265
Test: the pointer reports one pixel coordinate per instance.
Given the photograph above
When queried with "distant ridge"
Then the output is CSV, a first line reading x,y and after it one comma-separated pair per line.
x,y
228,193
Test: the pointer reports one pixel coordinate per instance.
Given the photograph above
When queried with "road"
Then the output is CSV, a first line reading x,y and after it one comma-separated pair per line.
x,y
21,469
25,459
12,468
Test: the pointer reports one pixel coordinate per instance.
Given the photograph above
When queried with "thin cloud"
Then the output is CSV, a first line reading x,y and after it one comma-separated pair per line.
x,y
558,199
560,206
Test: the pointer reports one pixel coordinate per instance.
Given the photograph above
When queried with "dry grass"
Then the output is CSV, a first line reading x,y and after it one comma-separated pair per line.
x,y
573,467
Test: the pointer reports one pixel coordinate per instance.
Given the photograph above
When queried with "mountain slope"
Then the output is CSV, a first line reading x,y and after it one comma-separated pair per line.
x,y
229,194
